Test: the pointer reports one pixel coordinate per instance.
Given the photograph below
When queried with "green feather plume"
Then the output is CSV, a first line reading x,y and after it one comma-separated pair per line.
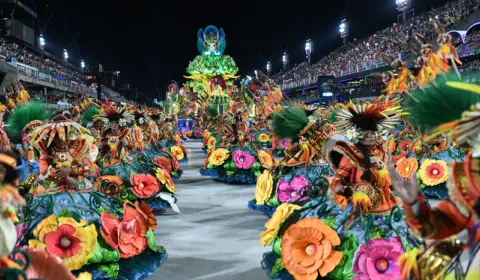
x,y
440,103
332,117
289,122
89,114
23,115
212,111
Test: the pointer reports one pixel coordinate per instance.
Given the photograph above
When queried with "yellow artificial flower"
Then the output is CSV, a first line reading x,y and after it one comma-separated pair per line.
x,y
264,187
165,179
433,172
206,133
273,225
266,158
218,156
176,150
73,242
211,143
263,137
84,276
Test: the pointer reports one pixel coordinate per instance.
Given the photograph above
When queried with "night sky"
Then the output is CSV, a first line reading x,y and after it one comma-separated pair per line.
x,y
151,42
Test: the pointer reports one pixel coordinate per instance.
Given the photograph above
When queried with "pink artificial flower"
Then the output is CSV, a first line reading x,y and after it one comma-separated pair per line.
x,y
284,143
378,260
293,191
242,159
197,133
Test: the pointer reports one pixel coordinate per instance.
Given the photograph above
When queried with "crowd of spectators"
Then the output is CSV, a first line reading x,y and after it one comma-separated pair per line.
x,y
21,54
361,55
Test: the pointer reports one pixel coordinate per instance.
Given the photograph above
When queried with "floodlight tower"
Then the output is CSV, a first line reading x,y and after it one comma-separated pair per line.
x,y
65,55
403,6
344,30
41,42
285,60
269,68
308,49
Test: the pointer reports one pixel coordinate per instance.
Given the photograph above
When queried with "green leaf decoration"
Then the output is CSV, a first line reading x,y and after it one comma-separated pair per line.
x,y
376,233
256,165
229,172
64,214
277,267
76,216
209,166
111,269
343,271
103,253
152,243
277,246
174,173
258,173
212,65
273,201
330,222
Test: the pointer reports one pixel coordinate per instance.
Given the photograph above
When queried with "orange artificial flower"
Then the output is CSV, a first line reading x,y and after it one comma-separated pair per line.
x,y
152,221
127,235
307,249
406,167
266,158
110,185
175,163
211,143
144,185
163,162
392,145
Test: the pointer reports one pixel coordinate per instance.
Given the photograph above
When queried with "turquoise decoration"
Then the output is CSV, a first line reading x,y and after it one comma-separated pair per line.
x,y
211,41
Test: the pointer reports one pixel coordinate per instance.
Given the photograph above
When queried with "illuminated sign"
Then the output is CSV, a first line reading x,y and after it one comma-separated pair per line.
x,y
327,94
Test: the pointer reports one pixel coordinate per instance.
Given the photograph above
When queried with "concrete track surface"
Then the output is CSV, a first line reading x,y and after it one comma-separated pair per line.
x,y
216,237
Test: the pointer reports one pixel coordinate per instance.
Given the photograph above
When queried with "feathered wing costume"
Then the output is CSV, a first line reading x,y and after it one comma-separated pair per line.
x,y
453,106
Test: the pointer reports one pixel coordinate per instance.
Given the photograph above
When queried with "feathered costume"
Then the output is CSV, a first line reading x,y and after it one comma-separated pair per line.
x,y
452,106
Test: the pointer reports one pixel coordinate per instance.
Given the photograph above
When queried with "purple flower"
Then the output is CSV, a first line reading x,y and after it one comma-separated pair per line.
x,y
21,229
197,133
243,160
378,260
284,143
293,191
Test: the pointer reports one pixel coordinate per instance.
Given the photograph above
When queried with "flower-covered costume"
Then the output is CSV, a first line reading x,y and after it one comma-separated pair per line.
x,y
354,241
68,218
296,177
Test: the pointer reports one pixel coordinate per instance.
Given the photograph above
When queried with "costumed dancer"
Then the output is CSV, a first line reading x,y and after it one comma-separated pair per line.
x,y
452,106
296,178
356,228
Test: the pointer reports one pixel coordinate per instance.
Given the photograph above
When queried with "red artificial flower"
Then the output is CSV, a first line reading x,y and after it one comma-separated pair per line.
x,y
163,162
144,185
62,242
404,147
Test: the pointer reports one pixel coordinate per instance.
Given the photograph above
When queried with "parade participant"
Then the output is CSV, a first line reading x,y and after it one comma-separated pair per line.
x,y
441,257
360,167
4,140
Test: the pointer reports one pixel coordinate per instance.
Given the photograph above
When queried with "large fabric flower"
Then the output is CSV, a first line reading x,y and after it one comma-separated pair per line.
x,y
406,167
264,187
262,137
211,143
266,158
206,134
242,159
163,162
273,225
433,172
378,260
307,249
165,179
144,185
284,143
404,147
67,239
197,133
218,156
128,235
293,191
178,152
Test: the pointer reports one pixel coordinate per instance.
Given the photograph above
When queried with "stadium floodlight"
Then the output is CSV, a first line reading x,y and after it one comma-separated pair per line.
x,y
41,42
285,60
308,49
343,29
82,64
269,66
402,4
65,55
256,74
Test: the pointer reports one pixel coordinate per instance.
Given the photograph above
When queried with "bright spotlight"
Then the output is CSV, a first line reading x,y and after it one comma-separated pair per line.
x,y
41,42
269,66
65,54
82,64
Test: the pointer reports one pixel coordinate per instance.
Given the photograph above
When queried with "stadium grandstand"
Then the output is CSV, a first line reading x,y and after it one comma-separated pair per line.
x,y
346,72
49,77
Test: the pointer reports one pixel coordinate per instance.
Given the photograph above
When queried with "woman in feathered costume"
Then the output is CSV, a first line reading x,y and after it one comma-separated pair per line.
x,y
452,106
